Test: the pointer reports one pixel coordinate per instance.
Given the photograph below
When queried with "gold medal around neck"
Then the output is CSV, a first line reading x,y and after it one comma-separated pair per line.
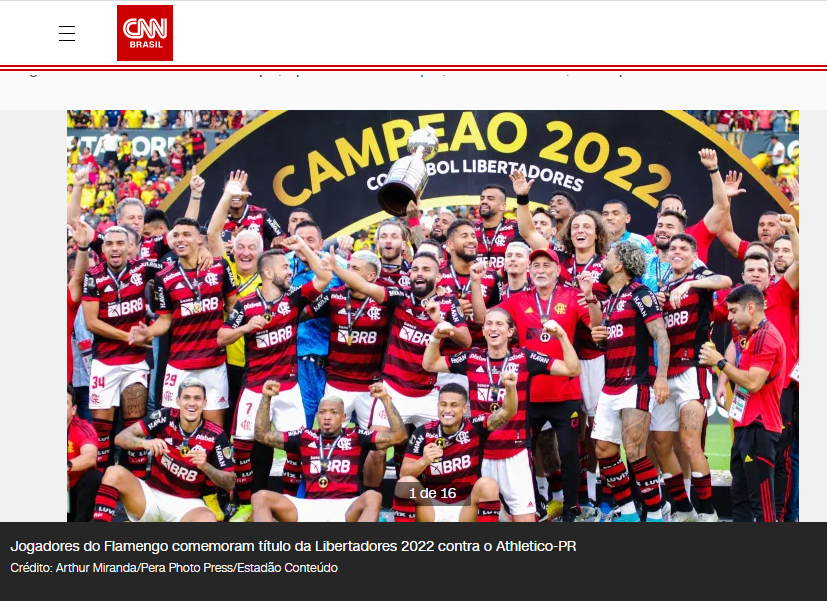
x,y
323,482
196,307
349,339
494,407
440,442
268,316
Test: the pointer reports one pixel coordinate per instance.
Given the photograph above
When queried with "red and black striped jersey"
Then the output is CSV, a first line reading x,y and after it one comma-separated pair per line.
x,y
256,219
507,292
629,347
121,305
569,270
401,278
484,389
411,329
459,285
689,326
271,351
493,241
194,331
174,474
154,247
460,465
528,316
358,337
344,462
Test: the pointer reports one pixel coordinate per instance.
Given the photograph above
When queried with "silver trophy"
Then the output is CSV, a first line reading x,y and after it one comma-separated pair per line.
x,y
408,176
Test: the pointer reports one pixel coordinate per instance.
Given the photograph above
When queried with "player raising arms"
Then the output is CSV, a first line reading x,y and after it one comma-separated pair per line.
x,y
687,304
189,450
505,454
442,462
268,320
331,462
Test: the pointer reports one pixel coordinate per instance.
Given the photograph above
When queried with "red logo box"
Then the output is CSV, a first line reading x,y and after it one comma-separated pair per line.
x,y
145,33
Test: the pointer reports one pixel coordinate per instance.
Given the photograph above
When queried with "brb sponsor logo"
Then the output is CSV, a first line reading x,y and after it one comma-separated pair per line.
x,y
145,33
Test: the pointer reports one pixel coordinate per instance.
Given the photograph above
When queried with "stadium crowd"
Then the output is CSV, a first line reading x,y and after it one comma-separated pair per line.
x,y
503,361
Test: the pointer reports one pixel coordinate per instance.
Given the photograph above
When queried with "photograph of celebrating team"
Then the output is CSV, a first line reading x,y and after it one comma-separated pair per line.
x,y
553,366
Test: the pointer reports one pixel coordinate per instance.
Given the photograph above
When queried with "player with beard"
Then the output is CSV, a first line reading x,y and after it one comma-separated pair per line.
x,y
188,450
331,462
585,242
658,270
781,309
494,232
554,399
390,242
113,303
687,304
758,373
268,322
516,270
439,230
505,455
443,458
717,219
769,229
632,321
615,217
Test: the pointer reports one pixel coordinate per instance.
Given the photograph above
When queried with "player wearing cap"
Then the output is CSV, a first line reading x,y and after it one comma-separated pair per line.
x,y
358,339
505,454
758,375
632,321
440,477
188,450
494,232
553,399
687,303
331,462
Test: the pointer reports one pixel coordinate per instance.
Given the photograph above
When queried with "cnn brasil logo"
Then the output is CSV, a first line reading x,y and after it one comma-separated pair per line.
x,y
145,33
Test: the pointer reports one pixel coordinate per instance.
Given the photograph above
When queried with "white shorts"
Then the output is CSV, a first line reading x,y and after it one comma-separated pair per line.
x,y
286,412
692,385
369,411
321,510
448,513
414,410
607,423
214,379
161,507
107,382
515,480
592,378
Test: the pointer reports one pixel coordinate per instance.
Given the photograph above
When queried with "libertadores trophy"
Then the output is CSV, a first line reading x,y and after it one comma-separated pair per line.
x,y
408,176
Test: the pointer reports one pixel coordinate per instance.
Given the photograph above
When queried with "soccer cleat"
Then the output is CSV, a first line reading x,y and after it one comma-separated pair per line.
x,y
243,514
604,513
685,516
666,511
587,513
628,517
212,503
708,517
568,515
554,510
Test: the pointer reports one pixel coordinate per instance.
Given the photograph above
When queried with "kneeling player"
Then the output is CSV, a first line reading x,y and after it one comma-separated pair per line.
x,y
331,460
188,449
440,477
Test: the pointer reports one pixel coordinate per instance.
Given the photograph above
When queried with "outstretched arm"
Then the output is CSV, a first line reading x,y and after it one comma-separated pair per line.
x,y
432,360
73,209
356,282
196,189
83,236
322,274
524,220
234,187
263,432
715,217
791,275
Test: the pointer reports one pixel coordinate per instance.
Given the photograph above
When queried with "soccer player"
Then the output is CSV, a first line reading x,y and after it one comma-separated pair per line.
x,y
82,479
686,302
113,304
632,321
439,229
443,459
658,270
268,322
616,216
540,228
295,218
505,453
515,269
562,206
255,219
759,378
331,462
716,220
189,450
553,399
390,241
433,247
191,302
82,236
494,232
358,338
